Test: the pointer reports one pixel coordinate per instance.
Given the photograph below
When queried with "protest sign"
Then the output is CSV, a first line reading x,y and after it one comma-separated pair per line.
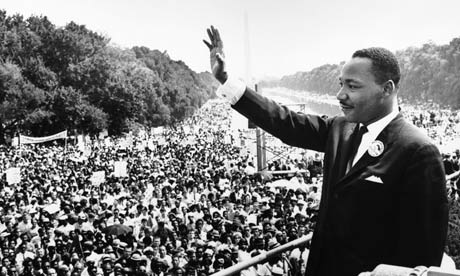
x,y
13,175
98,177
120,169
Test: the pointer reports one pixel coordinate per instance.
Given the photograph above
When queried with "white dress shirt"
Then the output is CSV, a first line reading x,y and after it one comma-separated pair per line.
x,y
373,130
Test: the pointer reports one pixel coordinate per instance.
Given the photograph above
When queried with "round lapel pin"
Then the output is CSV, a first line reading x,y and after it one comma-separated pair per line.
x,y
376,148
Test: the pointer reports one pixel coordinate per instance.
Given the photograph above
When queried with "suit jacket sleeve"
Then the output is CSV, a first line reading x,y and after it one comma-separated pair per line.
x,y
423,210
295,129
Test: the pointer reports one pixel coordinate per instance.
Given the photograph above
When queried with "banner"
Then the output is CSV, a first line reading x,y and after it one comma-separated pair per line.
x,y
13,175
35,140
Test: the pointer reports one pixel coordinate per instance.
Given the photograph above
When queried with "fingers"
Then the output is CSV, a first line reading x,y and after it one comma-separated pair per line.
x,y
211,36
218,40
214,35
214,38
207,44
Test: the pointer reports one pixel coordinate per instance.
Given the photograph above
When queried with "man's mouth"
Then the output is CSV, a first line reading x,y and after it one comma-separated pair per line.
x,y
345,106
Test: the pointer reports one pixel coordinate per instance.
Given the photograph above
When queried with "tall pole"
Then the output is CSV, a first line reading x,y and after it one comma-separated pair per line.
x,y
260,134
247,50
261,149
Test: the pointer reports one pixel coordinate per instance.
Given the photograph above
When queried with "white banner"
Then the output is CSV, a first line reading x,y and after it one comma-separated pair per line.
x,y
35,140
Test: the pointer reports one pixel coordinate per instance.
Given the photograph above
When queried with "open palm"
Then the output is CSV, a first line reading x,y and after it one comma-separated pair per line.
x,y
216,54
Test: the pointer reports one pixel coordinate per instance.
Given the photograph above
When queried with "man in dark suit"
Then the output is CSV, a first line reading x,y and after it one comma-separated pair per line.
x,y
384,195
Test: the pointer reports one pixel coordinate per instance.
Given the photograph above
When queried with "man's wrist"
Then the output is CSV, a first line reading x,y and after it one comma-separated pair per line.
x,y
231,90
223,78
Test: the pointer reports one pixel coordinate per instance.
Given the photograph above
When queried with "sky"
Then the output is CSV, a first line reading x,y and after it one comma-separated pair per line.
x,y
283,36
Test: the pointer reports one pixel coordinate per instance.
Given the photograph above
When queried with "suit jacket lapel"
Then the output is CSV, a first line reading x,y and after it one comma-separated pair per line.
x,y
387,137
342,154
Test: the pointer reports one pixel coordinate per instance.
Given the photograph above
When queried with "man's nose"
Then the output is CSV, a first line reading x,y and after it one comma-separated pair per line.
x,y
341,94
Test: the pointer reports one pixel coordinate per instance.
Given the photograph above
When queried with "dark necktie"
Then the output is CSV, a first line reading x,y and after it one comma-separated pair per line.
x,y
356,141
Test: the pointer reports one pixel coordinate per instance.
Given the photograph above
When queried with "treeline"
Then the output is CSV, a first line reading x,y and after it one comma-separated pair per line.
x,y
55,78
430,73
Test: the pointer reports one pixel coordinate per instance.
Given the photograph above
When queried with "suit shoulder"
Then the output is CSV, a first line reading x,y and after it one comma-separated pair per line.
x,y
415,137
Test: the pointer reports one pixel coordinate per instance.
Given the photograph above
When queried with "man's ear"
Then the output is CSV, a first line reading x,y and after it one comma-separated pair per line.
x,y
389,88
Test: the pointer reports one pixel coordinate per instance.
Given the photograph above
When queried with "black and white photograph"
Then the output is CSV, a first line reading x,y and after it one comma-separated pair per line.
x,y
252,138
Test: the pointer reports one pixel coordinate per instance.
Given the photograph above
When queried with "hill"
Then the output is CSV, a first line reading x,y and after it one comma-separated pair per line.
x,y
430,73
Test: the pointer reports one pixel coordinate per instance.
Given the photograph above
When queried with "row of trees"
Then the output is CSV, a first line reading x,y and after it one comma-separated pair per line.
x,y
430,73
54,78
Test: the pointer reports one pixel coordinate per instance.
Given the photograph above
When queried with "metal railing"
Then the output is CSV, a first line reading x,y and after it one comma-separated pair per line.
x,y
380,270
263,257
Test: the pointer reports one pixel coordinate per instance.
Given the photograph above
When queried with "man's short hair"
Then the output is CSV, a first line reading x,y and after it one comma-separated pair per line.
x,y
384,64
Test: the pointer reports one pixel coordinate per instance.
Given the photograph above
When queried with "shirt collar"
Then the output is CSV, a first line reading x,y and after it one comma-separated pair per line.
x,y
377,126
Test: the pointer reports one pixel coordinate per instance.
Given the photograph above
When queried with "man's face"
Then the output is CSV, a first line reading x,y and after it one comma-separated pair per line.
x,y
361,98
107,268
156,242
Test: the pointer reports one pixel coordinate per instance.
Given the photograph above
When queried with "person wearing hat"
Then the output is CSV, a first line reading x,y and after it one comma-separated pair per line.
x,y
134,261
107,266
63,270
88,252
159,267
277,271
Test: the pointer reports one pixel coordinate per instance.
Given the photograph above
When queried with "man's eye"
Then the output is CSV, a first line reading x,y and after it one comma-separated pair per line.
x,y
341,84
351,86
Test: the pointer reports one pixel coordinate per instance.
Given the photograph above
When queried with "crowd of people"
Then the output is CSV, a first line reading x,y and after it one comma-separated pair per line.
x,y
192,203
